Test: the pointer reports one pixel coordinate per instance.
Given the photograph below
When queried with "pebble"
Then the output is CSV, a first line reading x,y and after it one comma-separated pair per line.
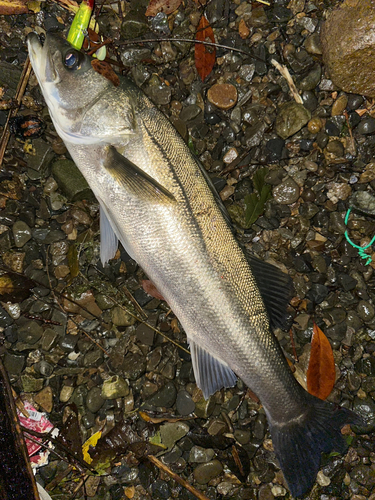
x,y
201,455
160,490
184,403
44,398
171,432
14,363
315,125
21,233
30,383
71,182
30,332
365,310
204,473
366,126
66,393
114,387
222,95
14,261
291,117
339,105
204,407
287,192
94,400
313,45
165,397
120,317
50,339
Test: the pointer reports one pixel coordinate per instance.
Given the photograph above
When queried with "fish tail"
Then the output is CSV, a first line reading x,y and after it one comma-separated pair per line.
x,y
299,443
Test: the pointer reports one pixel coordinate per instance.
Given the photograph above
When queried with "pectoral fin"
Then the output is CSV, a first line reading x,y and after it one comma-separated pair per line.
x,y
108,238
210,373
134,179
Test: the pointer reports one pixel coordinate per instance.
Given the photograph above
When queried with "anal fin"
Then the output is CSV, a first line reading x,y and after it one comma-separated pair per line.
x,y
108,238
210,373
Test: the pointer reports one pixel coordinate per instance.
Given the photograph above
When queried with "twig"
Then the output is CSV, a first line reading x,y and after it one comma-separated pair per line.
x,y
18,99
177,478
285,73
190,40
237,459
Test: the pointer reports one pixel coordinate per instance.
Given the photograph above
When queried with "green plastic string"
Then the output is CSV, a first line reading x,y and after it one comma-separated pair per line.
x,y
361,250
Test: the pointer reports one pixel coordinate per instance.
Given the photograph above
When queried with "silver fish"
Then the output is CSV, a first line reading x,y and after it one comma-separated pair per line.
x,y
155,199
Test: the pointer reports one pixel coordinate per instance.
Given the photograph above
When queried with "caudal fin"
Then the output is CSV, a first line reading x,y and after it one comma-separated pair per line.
x,y
298,444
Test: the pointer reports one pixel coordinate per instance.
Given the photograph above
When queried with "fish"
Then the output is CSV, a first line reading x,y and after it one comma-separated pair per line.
x,y
158,201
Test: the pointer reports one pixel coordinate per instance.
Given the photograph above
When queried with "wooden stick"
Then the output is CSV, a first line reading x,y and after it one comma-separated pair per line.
x,y
285,73
18,98
177,478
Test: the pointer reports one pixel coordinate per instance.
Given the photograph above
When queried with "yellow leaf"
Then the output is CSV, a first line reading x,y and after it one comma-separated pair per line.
x,y
90,442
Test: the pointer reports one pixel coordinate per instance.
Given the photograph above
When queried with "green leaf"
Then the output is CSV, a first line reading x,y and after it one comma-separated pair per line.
x,y
258,179
254,205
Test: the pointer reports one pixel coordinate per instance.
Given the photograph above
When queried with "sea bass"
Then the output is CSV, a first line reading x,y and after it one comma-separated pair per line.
x,y
157,200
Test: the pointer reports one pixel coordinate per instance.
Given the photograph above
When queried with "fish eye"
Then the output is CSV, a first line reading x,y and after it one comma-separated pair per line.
x,y
73,59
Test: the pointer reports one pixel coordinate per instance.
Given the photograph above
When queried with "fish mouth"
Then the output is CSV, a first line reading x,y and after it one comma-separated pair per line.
x,y
42,57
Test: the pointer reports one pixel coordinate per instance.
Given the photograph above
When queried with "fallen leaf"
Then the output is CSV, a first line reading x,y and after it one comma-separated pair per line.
x,y
10,7
151,289
255,202
92,441
166,6
321,371
205,55
15,287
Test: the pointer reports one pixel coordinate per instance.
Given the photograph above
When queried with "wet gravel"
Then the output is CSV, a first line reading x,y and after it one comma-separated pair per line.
x,y
75,343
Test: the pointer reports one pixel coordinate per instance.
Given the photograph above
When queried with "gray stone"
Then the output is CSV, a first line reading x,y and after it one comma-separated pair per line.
x,y
291,117
184,403
94,400
171,432
21,233
114,387
120,317
30,332
205,472
31,384
50,339
201,455
166,396
38,163
287,192
14,363
71,181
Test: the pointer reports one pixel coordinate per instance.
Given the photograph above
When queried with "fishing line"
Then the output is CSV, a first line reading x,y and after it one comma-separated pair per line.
x,y
361,250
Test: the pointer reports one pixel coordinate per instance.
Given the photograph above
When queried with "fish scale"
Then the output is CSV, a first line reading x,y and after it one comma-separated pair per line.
x,y
155,199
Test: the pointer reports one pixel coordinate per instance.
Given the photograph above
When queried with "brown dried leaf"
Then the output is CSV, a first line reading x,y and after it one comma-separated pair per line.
x,y
10,7
321,372
166,6
105,69
205,55
14,287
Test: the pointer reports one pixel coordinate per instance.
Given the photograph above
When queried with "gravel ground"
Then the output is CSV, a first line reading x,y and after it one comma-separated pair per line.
x,y
74,348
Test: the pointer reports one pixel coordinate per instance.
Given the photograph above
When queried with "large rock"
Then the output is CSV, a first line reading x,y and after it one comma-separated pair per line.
x,y
348,43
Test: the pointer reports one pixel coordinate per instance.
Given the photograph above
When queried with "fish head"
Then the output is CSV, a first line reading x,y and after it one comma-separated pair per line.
x,y
80,100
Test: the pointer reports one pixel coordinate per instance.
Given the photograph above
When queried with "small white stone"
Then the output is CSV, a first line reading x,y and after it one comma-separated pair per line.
x,y
278,491
322,480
